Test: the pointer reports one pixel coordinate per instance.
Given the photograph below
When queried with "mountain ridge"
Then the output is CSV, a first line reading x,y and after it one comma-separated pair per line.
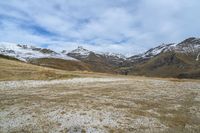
x,y
166,60
179,60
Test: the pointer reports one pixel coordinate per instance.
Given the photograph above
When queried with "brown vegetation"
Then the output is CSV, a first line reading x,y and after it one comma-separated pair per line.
x,y
16,70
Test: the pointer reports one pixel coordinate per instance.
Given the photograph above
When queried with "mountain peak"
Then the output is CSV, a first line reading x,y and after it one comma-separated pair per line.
x,y
190,45
80,47
190,41
81,51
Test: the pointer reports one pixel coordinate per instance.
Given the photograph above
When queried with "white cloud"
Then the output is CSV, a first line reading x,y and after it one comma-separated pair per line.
x,y
125,26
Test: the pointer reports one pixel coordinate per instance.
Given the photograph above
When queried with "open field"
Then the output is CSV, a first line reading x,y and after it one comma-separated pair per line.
x,y
107,104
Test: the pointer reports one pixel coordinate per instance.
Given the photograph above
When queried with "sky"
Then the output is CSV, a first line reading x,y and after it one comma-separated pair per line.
x,y
120,26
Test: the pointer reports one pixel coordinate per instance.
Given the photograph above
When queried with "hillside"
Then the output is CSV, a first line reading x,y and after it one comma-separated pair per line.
x,y
98,61
15,70
62,64
168,65
180,60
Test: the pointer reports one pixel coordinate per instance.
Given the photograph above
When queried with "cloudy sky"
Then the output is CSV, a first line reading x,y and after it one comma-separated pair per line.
x,y
124,26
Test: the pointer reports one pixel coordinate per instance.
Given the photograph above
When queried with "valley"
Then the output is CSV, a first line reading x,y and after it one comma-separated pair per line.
x,y
174,60
87,92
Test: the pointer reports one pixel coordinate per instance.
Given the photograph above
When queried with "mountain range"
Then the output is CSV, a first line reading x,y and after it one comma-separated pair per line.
x,y
179,60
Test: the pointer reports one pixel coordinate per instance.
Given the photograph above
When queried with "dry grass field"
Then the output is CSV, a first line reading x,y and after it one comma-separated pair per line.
x,y
15,70
101,104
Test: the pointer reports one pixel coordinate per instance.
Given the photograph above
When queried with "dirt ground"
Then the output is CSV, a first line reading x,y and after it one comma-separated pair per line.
x,y
98,105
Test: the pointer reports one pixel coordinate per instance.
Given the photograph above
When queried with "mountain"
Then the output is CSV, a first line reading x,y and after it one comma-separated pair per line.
x,y
82,53
188,46
151,53
169,60
179,60
26,53
98,61
41,57
79,53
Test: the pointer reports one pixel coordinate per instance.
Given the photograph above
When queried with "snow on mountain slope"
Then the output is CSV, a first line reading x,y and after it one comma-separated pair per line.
x,y
157,50
24,52
188,47
153,52
81,52
115,55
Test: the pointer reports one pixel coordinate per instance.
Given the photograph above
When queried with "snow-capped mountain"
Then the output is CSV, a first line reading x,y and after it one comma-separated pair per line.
x,y
114,55
25,52
188,46
82,53
167,60
98,61
155,51
79,53
152,52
